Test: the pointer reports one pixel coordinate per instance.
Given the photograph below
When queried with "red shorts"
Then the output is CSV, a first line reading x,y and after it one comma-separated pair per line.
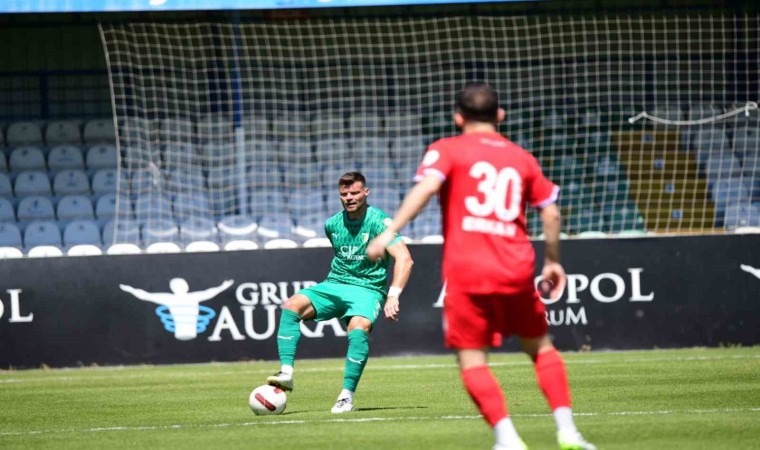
x,y
472,321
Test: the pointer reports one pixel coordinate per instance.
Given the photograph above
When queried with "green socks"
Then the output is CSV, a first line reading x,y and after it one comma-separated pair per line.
x,y
287,336
356,358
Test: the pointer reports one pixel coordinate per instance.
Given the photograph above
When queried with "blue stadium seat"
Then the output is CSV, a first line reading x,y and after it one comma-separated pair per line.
x,y
10,235
102,156
152,205
191,204
82,232
104,181
197,229
35,207
23,133
7,212
27,158
63,132
275,225
160,230
32,182
6,189
42,233
71,181
121,231
304,201
74,206
65,157
97,131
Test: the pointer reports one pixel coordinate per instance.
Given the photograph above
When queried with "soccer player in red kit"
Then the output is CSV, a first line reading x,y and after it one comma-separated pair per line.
x,y
484,181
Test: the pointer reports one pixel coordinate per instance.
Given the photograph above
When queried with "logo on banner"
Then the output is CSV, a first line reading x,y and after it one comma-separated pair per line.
x,y
180,310
750,270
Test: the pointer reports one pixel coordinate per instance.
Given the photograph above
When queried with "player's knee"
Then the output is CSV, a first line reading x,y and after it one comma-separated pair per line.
x,y
360,323
298,304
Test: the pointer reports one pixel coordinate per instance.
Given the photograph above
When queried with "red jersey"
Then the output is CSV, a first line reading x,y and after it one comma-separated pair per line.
x,y
487,181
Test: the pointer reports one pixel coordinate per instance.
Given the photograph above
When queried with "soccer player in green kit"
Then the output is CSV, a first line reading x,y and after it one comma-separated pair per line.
x,y
353,291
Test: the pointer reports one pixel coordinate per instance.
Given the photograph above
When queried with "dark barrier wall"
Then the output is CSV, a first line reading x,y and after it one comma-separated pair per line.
x,y
622,294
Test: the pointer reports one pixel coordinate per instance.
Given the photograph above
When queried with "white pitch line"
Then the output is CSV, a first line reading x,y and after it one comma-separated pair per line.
x,y
337,367
364,420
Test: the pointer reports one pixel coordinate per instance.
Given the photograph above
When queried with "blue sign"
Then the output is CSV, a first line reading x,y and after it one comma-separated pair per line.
x,y
48,6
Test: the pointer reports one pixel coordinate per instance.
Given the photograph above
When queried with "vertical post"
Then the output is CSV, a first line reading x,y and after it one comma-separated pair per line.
x,y
237,118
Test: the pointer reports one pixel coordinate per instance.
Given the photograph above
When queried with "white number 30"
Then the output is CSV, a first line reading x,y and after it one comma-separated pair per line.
x,y
495,185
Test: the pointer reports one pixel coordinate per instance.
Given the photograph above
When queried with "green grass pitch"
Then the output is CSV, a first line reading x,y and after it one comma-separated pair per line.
x,y
659,399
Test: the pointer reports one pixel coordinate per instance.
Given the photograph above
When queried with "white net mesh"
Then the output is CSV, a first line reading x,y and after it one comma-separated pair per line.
x,y
241,131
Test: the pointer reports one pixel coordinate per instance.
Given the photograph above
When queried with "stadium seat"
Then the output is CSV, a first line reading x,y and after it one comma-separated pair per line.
x,y
623,220
334,151
121,231
71,181
191,204
720,167
310,226
240,244
10,235
584,219
84,250
296,152
747,141
81,232
263,201
305,201
102,156
163,247
710,142
237,228
380,175
371,150
123,249
35,207
44,251
6,189
331,174
42,232
145,180
152,205
224,178
589,234
107,208
159,230
7,212
175,129
329,126
280,243
10,253
317,242
3,161
202,246
27,158
407,150
65,157
741,215
197,229
729,191
23,133
256,127
63,132
104,181
187,179
215,128
365,124
97,131
32,182
291,125
403,124
275,225
74,206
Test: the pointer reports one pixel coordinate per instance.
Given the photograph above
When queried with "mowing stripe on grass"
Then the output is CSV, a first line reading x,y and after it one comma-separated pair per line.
x,y
368,419
339,367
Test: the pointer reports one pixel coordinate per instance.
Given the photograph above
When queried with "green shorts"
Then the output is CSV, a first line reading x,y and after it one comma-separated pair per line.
x,y
331,300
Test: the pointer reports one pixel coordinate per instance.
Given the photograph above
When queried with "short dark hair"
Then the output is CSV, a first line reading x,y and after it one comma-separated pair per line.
x,y
478,102
349,178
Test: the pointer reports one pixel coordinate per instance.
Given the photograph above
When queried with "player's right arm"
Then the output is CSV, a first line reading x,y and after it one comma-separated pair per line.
x,y
415,200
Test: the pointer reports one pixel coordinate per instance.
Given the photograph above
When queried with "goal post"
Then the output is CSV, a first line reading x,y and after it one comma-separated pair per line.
x,y
638,118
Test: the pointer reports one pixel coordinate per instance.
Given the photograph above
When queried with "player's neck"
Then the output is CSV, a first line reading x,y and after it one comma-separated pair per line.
x,y
478,127
358,214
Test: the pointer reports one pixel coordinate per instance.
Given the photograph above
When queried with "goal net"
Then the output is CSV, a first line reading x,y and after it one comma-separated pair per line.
x,y
646,122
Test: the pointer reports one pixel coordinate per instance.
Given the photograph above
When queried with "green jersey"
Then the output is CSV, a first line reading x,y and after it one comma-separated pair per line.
x,y
349,239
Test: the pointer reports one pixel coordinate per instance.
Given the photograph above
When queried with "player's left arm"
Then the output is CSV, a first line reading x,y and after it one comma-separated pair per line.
x,y
402,269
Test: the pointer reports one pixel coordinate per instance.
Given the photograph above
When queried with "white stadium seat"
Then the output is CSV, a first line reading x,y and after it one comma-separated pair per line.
x,y
99,130
23,133
63,132
27,158
65,157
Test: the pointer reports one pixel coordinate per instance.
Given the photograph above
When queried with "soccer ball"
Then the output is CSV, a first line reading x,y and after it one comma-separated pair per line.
x,y
267,400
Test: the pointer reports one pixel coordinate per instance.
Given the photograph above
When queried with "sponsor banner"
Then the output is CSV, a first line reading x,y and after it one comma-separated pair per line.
x,y
173,308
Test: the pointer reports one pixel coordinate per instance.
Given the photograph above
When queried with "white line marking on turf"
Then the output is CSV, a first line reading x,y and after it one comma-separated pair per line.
x,y
98,373
364,419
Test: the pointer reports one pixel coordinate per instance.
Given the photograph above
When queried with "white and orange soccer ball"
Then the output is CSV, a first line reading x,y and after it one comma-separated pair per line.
x,y
268,400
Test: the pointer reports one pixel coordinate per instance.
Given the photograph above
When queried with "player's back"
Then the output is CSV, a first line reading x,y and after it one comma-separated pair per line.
x,y
488,180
